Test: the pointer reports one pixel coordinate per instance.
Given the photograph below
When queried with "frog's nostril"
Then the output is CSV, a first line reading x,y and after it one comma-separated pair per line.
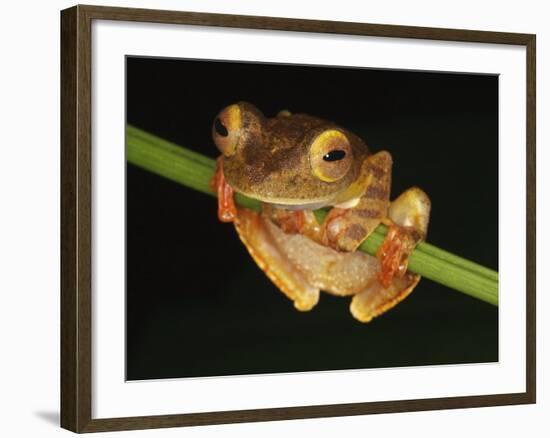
x,y
220,128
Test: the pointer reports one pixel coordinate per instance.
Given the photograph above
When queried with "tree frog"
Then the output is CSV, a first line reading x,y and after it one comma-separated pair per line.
x,y
294,164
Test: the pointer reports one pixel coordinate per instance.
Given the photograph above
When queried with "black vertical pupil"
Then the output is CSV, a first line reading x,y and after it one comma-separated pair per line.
x,y
220,128
334,155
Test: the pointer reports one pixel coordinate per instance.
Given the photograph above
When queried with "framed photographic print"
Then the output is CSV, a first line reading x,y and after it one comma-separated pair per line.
x,y
372,245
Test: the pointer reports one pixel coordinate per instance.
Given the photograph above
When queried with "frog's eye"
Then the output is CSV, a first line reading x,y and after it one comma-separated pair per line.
x,y
226,129
330,155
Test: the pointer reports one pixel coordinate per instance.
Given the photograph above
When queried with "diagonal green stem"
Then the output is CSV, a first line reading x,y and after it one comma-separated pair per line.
x,y
195,171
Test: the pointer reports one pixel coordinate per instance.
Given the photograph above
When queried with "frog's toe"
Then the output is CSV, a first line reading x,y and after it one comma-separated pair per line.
x,y
377,299
412,209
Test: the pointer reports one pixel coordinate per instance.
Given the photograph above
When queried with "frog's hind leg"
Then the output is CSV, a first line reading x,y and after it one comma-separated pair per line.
x,y
255,233
301,267
408,218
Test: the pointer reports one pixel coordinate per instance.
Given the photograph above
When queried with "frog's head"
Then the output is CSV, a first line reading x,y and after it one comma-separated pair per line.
x,y
294,161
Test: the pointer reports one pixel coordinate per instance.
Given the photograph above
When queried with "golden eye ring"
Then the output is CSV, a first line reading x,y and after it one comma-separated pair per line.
x,y
330,155
226,129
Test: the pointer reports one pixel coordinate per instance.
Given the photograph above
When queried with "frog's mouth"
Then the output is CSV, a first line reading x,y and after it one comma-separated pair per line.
x,y
288,204
346,199
290,196
309,206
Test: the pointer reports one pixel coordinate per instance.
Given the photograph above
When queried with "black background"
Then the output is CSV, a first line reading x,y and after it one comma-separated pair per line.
x,y
197,305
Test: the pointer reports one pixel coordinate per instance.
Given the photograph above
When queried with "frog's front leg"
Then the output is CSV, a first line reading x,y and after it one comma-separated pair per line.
x,y
227,211
345,228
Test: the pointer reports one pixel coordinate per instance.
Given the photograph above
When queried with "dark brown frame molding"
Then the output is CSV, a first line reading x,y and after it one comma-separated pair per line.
x,y
76,173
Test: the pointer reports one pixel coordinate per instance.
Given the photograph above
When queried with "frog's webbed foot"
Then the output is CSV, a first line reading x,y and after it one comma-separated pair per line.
x,y
408,224
227,211
377,299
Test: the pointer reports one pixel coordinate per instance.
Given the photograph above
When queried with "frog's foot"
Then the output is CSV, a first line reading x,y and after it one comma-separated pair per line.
x,y
393,253
256,232
377,299
227,211
408,224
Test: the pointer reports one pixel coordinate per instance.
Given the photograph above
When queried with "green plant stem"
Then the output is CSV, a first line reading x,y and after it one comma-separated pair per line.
x,y
195,171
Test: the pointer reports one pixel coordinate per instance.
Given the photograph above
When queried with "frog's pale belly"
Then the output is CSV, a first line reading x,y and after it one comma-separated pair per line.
x,y
301,268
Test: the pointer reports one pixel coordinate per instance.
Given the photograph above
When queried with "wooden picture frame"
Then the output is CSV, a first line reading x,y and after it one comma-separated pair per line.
x,y
76,218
